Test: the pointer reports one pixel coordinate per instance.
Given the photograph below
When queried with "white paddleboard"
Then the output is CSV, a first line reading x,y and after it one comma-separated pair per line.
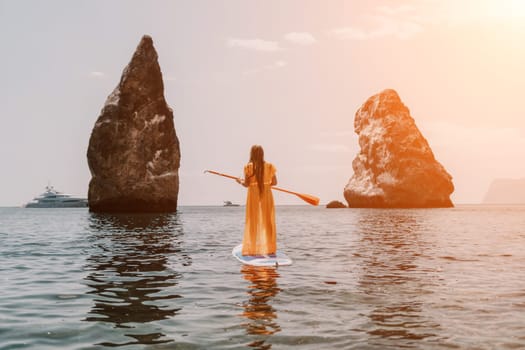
x,y
279,259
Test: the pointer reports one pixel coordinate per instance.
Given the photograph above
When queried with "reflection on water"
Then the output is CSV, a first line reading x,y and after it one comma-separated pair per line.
x,y
258,309
388,253
129,271
361,279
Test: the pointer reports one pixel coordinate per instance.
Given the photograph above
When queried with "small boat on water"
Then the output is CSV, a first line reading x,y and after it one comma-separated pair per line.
x,y
51,198
230,204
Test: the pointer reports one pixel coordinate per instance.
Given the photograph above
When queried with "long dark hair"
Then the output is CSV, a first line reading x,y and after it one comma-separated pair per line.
x,y
257,159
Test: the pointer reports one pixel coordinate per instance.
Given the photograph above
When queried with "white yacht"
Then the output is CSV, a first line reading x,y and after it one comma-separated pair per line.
x,y
51,198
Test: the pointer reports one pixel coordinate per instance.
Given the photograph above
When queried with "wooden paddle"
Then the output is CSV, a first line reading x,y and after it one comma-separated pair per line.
x,y
305,197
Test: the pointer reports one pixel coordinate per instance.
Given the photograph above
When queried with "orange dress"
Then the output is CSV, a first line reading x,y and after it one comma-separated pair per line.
x,y
260,234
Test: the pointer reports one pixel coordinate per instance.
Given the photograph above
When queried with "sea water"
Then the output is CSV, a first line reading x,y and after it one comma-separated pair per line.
x,y
361,279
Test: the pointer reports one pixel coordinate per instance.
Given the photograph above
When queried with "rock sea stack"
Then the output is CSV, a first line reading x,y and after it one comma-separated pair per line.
x,y
335,205
133,152
395,167
506,191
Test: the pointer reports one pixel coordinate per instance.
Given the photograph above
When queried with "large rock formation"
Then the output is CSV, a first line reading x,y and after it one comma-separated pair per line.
x,y
133,152
506,191
395,167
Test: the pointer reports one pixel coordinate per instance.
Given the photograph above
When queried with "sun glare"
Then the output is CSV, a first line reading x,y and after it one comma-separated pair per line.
x,y
506,9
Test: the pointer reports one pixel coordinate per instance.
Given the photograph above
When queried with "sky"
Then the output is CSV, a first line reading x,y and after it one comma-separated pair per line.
x,y
288,75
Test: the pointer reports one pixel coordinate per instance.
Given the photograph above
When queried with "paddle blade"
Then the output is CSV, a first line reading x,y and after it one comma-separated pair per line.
x,y
309,199
313,200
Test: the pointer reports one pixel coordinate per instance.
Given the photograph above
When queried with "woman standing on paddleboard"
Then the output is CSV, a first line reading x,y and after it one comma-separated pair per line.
x,y
260,235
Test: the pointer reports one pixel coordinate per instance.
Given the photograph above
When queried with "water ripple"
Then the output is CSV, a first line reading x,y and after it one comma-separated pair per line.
x,y
361,279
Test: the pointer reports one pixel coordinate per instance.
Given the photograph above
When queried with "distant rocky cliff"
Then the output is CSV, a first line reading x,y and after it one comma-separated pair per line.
x,y
395,167
506,191
133,152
